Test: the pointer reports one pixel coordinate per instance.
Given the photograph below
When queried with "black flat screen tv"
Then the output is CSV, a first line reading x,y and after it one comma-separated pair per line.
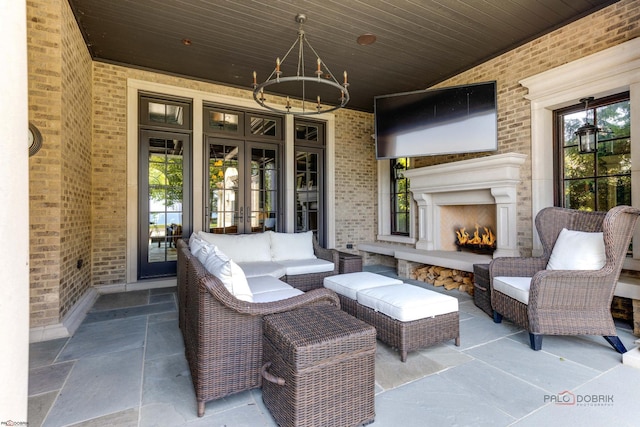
x,y
459,119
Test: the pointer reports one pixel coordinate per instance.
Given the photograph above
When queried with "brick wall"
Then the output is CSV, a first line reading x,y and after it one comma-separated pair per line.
x,y
356,179
75,144
43,29
59,178
109,175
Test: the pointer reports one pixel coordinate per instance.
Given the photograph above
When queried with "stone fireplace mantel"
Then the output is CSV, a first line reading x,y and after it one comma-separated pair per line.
x,y
484,180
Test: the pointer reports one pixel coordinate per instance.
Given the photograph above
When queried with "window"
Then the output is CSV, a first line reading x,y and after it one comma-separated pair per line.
x,y
601,180
400,197
161,112
310,152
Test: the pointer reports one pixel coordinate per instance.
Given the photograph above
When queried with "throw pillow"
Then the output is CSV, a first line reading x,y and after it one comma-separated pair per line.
x,y
291,246
196,244
229,273
577,250
203,249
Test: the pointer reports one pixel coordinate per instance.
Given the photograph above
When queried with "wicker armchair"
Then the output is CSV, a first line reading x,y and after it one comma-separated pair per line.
x,y
223,335
567,302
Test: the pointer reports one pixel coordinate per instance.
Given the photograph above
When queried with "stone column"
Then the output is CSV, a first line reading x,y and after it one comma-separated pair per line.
x,y
506,220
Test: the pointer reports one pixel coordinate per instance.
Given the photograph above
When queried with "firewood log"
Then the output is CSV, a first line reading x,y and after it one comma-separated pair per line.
x,y
451,285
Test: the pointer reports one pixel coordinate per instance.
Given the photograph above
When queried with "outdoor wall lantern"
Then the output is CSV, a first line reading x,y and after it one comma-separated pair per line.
x,y
587,133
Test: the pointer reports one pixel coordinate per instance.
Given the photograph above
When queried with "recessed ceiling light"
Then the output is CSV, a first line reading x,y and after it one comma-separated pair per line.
x,y
366,39
186,42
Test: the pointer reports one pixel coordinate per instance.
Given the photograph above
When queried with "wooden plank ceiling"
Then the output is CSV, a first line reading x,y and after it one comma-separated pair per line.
x,y
419,42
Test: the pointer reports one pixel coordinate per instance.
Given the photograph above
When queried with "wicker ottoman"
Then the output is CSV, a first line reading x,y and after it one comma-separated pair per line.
x,y
349,263
409,317
319,368
348,285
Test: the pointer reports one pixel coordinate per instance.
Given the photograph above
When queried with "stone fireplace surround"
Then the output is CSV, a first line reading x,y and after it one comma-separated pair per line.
x,y
490,180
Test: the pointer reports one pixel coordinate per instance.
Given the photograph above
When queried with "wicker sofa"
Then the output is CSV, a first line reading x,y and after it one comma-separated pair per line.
x,y
223,334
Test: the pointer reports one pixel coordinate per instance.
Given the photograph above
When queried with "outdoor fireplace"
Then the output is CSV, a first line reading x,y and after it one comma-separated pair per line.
x,y
447,193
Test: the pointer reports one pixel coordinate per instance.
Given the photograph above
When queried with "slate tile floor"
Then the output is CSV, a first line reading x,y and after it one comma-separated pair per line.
x,y
125,366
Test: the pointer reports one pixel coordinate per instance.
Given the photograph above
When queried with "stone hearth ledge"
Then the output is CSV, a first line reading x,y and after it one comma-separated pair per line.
x,y
451,259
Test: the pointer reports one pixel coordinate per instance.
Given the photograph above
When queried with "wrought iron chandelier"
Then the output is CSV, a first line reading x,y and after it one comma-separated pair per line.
x,y
587,133
323,77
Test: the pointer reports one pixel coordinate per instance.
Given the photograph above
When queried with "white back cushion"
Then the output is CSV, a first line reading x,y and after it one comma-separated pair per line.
x,y
229,273
577,250
290,246
242,247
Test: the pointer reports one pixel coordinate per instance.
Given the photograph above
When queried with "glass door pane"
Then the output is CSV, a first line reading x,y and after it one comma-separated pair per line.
x,y
164,216
225,210
308,190
263,192
165,199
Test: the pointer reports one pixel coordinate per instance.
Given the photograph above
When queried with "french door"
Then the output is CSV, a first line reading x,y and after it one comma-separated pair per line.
x,y
243,182
164,200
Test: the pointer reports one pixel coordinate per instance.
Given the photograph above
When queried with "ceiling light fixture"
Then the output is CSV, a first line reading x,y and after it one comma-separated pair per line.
x,y
324,77
366,39
587,133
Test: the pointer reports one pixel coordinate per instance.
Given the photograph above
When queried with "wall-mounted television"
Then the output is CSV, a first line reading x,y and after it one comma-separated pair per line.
x,y
459,119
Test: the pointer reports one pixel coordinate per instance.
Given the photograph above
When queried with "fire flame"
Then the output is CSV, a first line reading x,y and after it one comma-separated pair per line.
x,y
486,239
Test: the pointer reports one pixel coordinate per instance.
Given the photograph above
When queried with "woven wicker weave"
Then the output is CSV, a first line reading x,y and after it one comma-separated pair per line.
x,y
327,361
482,288
409,336
568,302
348,305
181,281
223,335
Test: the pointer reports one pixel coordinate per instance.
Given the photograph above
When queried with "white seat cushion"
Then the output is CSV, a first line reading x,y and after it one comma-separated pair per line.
x,y
577,250
262,284
287,246
277,295
515,287
295,267
262,268
407,302
350,283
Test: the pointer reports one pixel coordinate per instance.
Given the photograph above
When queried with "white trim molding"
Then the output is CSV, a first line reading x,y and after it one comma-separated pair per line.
x,y
71,321
605,73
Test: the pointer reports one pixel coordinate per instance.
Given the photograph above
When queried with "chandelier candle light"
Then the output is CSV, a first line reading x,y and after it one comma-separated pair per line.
x,y
322,78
